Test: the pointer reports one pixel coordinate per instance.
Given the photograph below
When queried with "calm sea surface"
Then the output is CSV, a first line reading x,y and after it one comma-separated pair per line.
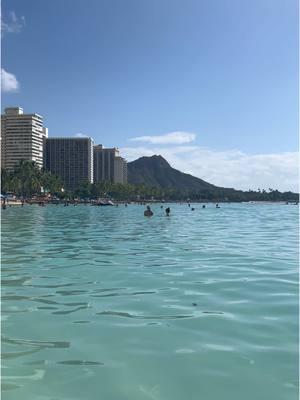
x,y
103,303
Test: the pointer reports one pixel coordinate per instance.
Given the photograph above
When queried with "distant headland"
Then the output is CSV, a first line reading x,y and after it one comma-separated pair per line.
x,y
156,172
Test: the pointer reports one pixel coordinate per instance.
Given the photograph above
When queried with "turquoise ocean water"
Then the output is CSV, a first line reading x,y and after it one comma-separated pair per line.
x,y
103,303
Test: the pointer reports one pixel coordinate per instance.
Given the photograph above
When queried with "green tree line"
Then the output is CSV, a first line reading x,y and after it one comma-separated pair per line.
x,y
140,192
27,179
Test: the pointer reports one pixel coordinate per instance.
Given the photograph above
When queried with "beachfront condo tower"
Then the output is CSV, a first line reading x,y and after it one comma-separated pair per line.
x,y
109,166
120,174
22,137
71,159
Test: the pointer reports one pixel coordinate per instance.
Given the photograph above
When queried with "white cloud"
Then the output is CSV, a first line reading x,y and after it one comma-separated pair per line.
x,y
230,168
14,24
9,82
81,135
168,138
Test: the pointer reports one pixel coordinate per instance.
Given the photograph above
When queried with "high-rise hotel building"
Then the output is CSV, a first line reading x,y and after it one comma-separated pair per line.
x,y
22,137
120,173
74,160
109,166
71,159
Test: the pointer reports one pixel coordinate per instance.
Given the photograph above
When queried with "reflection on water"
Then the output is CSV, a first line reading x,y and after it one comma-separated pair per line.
x,y
104,303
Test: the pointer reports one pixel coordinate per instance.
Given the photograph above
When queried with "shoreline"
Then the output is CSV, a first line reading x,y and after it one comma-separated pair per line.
x,y
114,203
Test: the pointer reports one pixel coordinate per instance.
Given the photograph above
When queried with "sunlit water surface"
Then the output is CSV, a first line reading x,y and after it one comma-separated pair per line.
x,y
103,303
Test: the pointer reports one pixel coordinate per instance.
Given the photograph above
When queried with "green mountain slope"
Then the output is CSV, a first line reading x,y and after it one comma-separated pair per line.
x,y
156,171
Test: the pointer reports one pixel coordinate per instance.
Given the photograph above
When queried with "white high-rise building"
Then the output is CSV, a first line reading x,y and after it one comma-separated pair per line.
x,y
22,137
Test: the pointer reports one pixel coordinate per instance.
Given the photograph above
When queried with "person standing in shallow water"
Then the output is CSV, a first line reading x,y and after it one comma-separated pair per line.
x,y
168,210
148,212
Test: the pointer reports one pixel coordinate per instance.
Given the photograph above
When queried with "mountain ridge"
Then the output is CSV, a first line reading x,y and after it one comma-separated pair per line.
x,y
157,172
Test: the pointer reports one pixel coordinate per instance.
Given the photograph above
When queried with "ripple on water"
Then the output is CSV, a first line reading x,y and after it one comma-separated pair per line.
x,y
198,305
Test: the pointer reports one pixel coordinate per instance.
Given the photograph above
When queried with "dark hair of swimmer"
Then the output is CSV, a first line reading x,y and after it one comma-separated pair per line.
x,y
148,212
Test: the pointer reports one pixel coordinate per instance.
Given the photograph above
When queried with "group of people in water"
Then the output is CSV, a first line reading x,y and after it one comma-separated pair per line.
x,y
149,213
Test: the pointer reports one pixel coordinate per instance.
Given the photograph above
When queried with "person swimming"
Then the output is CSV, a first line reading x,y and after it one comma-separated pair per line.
x,y
217,206
168,210
148,212
204,206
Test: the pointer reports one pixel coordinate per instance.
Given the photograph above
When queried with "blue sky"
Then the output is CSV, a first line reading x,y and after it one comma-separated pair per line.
x,y
222,74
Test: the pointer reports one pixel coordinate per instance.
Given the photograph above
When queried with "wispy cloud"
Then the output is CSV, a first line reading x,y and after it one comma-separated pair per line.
x,y
13,24
231,168
9,82
168,138
79,135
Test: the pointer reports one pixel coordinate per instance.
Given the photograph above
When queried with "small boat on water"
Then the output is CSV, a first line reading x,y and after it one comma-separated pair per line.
x,y
103,203
11,200
12,203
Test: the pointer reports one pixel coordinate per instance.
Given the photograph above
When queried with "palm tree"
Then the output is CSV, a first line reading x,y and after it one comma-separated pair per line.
x,y
29,175
50,182
15,184
27,179
5,180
